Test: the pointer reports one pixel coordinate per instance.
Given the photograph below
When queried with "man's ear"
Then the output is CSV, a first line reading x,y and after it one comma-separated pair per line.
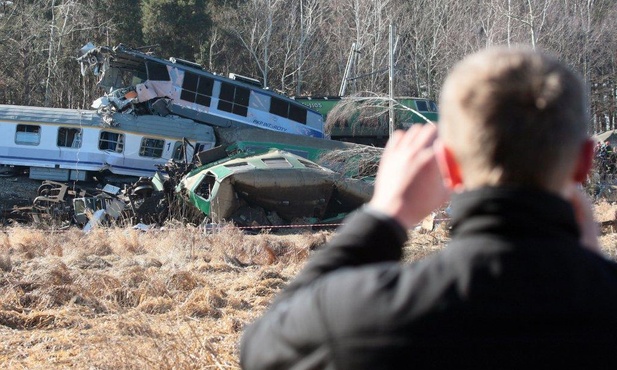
x,y
449,167
584,162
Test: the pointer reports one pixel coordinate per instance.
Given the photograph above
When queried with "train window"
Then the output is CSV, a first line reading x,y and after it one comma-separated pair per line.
x,y
204,91
297,114
422,105
196,89
151,147
288,110
242,96
157,71
69,137
239,166
234,99
28,135
190,81
189,86
111,141
432,106
279,107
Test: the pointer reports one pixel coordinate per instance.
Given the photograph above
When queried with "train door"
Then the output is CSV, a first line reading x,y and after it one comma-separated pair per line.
x,y
68,142
113,144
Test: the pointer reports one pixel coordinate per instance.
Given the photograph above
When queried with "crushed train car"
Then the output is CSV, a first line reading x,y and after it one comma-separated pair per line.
x,y
142,83
271,187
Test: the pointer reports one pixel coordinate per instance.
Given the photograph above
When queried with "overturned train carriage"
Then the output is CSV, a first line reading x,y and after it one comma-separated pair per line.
x,y
143,83
275,181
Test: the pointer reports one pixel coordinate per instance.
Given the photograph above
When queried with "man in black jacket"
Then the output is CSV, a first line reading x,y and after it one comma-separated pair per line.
x,y
522,283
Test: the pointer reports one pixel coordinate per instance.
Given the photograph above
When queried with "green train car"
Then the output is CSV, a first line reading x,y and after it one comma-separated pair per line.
x,y
364,120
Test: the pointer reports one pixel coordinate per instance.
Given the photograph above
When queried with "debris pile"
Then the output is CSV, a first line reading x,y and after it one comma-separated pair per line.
x,y
251,188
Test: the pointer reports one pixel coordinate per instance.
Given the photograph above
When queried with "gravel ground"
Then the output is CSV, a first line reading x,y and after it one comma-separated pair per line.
x,y
17,191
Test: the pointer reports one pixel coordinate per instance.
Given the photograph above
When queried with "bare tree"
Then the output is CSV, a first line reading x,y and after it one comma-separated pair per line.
x,y
253,25
311,18
301,46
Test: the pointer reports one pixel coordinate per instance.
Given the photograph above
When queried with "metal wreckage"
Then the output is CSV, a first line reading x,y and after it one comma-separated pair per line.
x,y
226,149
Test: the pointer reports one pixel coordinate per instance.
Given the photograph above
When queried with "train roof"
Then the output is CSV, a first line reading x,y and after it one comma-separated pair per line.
x,y
170,126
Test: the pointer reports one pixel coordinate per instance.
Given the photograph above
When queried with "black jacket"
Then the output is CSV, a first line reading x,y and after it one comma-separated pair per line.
x,y
513,289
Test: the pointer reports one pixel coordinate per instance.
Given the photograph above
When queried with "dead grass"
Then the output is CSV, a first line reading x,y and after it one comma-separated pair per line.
x,y
118,298
176,298
605,211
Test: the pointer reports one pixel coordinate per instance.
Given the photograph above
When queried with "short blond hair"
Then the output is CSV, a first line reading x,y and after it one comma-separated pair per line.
x,y
513,116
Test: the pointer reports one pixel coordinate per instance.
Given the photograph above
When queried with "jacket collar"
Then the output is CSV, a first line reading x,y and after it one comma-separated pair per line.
x,y
511,211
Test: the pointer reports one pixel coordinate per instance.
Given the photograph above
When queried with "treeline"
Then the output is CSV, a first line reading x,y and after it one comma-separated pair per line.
x,y
301,47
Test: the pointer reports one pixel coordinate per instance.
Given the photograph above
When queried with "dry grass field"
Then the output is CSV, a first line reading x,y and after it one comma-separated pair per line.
x,y
176,298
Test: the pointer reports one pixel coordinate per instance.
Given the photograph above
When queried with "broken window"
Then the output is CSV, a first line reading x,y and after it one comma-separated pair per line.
x,y
111,141
199,147
197,89
151,147
309,164
28,135
69,137
205,187
178,152
288,110
131,78
234,99
278,162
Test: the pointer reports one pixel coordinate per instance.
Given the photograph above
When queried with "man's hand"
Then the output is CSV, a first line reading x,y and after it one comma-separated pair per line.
x,y
409,185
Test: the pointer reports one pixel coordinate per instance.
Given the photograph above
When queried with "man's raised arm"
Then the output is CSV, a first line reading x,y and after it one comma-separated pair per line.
x,y
407,188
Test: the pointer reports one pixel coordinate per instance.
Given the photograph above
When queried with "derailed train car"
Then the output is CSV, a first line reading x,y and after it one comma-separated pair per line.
x,y
69,144
271,186
143,83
